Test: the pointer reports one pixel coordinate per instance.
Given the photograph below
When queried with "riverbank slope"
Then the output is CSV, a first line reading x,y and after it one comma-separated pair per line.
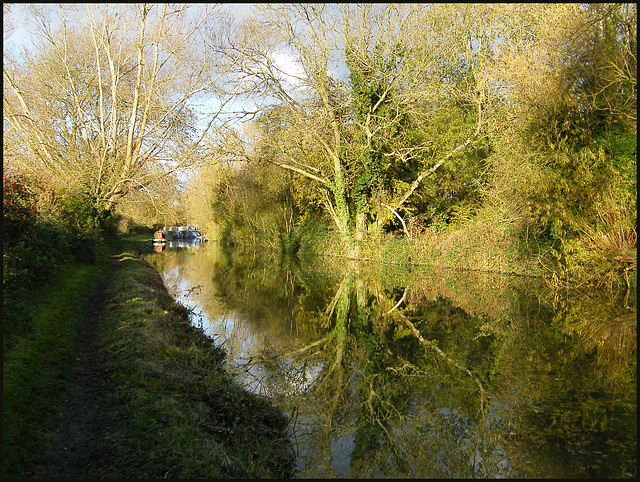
x,y
136,392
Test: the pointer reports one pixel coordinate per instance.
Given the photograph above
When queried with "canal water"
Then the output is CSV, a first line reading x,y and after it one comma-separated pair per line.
x,y
421,373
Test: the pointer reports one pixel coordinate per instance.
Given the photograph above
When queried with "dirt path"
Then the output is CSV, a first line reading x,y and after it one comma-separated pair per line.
x,y
80,445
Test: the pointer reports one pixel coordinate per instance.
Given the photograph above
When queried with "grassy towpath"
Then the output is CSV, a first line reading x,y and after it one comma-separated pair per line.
x,y
114,382
76,446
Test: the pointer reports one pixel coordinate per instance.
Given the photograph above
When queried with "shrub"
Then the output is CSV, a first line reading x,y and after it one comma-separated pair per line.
x,y
33,250
18,207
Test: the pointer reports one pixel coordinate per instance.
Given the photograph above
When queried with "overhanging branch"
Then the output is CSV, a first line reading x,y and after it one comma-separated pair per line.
x,y
404,226
427,172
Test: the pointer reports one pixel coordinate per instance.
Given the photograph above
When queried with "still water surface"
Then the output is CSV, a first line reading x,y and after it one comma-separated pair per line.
x,y
423,373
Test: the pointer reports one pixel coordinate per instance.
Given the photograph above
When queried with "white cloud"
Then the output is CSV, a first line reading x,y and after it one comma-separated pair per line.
x,y
292,71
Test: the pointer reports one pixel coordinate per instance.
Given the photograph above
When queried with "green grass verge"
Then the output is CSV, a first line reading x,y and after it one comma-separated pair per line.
x,y
175,411
183,416
36,364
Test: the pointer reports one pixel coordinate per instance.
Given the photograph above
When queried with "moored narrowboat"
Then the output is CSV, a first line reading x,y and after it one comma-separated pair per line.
x,y
159,237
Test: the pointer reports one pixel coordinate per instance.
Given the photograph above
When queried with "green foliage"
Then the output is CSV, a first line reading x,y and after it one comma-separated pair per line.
x,y
18,207
369,76
373,106
33,251
454,191
82,211
565,194
436,214
584,216
621,147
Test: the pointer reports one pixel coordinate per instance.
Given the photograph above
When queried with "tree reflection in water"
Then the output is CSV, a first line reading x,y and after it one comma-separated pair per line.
x,y
387,373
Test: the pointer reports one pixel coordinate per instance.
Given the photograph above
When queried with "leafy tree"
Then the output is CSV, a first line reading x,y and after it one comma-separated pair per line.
x,y
569,124
353,140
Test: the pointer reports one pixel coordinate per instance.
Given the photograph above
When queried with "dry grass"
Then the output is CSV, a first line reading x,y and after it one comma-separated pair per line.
x,y
474,246
607,251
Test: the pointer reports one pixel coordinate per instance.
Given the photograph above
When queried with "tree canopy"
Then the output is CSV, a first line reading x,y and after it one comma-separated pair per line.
x,y
368,117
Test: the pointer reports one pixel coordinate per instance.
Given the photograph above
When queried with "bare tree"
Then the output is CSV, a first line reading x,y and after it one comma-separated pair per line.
x,y
108,104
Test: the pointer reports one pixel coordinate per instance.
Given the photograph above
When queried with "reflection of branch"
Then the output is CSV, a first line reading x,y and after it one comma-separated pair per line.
x,y
341,300
432,345
404,295
392,444
334,301
301,350
338,392
404,370
375,419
